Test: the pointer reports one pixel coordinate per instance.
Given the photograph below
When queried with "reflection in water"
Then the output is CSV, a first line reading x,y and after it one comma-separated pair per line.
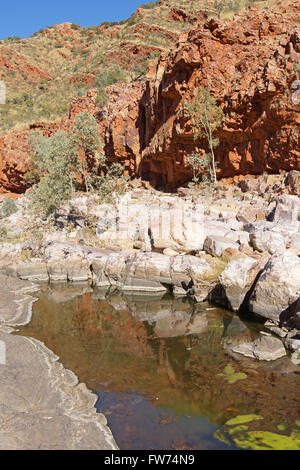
x,y
162,366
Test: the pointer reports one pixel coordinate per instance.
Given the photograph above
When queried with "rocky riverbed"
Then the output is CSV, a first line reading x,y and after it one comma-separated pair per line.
x,y
237,246
42,404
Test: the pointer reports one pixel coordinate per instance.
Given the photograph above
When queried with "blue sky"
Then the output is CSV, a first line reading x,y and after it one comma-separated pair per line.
x,y
24,17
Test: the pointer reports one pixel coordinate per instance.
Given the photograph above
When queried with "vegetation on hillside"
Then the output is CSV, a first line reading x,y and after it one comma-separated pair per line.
x,y
64,163
44,72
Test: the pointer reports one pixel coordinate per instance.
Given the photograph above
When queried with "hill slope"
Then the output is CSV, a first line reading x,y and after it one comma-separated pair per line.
x,y
248,63
44,72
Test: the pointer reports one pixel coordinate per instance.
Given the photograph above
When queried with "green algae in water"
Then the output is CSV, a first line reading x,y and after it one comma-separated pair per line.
x,y
241,419
231,376
221,437
257,440
240,428
281,427
266,440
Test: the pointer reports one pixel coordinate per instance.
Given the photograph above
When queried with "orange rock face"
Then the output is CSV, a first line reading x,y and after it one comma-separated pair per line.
x,y
248,65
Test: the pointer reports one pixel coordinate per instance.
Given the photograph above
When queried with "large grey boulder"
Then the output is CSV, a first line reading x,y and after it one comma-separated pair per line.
x,y
294,243
278,287
238,278
293,181
268,241
287,210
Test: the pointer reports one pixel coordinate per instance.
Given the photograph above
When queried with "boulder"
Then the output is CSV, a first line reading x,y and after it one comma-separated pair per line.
x,y
293,344
267,241
215,245
249,185
250,214
287,210
293,181
277,288
264,348
294,243
237,279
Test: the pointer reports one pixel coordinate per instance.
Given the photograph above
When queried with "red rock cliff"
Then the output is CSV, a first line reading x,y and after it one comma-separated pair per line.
x,y
249,65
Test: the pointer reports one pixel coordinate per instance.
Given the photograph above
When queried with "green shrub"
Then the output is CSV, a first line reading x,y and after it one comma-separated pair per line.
x,y
108,24
129,21
8,208
56,160
106,78
149,5
111,183
155,55
110,76
3,232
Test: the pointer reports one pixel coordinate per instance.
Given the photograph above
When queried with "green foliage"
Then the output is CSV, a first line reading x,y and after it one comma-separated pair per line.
x,y
265,440
241,419
111,182
129,21
3,232
206,117
60,159
149,5
108,24
255,439
75,26
8,208
155,55
106,78
50,193
110,76
200,166
25,98
220,6
85,133
231,376
85,141
56,160
32,176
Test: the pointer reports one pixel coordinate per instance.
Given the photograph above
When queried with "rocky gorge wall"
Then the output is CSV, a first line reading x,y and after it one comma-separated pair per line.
x,y
248,65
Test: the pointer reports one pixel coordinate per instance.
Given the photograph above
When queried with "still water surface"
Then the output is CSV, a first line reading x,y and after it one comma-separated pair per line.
x,y
163,368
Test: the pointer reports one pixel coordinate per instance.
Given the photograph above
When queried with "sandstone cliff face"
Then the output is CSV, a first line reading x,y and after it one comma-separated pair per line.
x,y
249,65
